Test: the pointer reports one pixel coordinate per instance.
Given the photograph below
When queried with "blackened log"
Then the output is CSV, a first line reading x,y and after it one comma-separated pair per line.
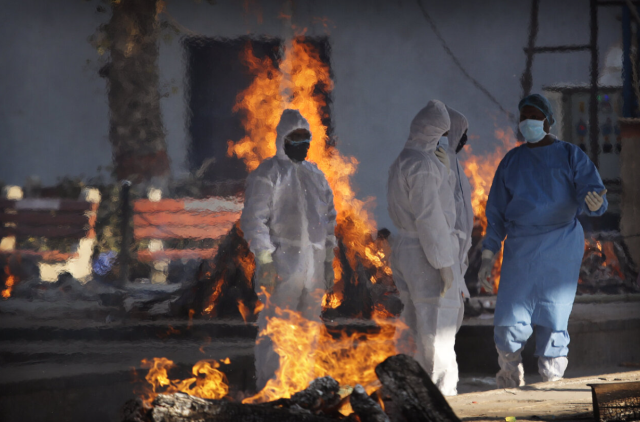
x,y
322,396
135,411
413,391
181,407
322,393
225,274
365,407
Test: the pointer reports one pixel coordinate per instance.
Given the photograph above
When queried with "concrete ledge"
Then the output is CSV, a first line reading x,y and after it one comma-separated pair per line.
x,y
602,334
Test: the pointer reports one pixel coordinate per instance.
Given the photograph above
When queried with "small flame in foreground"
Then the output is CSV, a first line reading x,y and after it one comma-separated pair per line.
x,y
244,310
8,283
208,382
612,259
330,300
480,171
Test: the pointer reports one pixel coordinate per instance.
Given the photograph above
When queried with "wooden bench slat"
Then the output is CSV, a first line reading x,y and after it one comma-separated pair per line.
x,y
145,205
175,254
70,232
213,204
64,204
181,232
35,218
44,255
185,218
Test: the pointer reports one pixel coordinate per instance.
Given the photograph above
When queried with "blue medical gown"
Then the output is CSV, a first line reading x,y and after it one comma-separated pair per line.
x,y
535,198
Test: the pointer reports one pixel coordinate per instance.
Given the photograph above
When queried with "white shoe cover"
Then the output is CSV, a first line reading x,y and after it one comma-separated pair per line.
x,y
552,369
511,374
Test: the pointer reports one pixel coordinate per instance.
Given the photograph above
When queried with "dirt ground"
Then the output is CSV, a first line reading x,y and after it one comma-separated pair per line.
x,y
567,399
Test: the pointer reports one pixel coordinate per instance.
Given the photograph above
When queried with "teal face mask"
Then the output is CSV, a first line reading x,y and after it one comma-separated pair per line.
x,y
532,130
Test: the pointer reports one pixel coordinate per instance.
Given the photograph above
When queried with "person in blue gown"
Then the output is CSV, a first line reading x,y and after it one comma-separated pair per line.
x,y
538,191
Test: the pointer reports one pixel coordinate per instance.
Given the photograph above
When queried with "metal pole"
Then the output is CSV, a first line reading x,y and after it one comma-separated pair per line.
x,y
594,127
527,78
627,84
125,232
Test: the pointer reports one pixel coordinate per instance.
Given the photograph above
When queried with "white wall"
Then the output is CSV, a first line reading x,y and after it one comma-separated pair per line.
x,y
386,60
53,105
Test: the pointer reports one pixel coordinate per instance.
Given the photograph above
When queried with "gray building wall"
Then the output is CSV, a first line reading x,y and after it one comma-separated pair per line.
x,y
386,60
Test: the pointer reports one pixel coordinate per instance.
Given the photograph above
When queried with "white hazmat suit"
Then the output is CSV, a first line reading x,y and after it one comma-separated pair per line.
x,y
422,208
289,213
461,191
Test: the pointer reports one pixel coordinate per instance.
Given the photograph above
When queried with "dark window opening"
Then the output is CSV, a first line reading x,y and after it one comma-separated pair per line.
x,y
216,75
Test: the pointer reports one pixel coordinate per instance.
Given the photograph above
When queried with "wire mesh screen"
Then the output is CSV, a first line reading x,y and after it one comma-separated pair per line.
x,y
616,402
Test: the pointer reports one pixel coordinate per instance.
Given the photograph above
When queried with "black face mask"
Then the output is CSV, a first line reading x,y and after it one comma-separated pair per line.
x,y
462,143
297,153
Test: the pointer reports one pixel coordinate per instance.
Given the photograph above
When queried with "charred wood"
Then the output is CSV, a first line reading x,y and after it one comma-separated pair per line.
x,y
357,296
413,392
181,407
366,407
322,393
222,283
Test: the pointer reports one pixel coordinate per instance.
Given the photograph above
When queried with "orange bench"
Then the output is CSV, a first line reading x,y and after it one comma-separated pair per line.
x,y
52,218
209,218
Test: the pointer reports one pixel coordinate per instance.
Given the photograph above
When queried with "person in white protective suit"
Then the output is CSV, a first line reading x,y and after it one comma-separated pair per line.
x,y
289,221
447,152
425,253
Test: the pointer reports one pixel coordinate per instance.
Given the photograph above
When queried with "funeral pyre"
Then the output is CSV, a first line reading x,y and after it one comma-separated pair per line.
x,y
403,392
364,288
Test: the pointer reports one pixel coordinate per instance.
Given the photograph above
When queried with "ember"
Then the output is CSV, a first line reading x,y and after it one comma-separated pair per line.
x,y
9,281
606,266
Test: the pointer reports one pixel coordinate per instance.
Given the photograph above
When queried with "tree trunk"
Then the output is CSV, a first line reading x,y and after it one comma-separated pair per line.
x,y
136,132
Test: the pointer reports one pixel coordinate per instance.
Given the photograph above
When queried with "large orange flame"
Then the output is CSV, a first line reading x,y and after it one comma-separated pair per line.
x,y
480,170
305,347
294,85
307,351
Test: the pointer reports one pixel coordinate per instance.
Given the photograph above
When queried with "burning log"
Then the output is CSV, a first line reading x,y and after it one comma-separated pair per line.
x,y
413,392
319,402
181,407
366,407
224,284
322,393
606,266
411,395
357,297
